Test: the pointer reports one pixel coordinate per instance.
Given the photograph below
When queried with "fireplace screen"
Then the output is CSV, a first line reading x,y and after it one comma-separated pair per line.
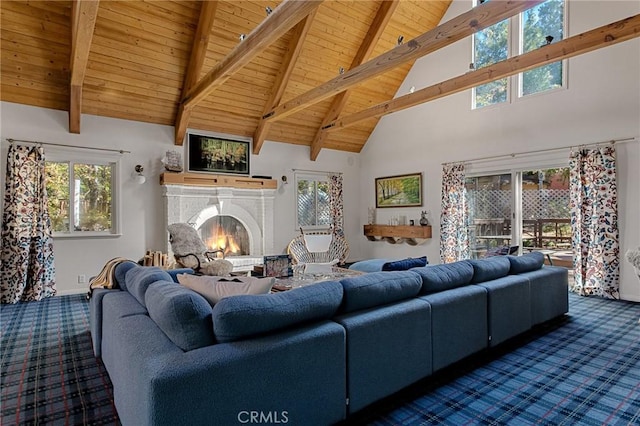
x,y
225,233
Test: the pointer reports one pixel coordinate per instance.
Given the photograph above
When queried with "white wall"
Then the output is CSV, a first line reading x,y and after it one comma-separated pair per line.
x,y
602,102
142,217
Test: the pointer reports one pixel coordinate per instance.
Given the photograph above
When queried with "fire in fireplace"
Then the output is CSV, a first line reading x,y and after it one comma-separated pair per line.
x,y
225,233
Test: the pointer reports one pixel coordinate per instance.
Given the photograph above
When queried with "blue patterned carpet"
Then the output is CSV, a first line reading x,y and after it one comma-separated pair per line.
x,y
582,370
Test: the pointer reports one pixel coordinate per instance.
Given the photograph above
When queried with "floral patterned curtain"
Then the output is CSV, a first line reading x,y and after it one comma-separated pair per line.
x,y
336,203
594,222
27,270
454,238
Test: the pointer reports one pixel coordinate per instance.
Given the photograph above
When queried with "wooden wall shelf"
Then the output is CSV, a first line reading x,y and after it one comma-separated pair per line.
x,y
205,179
394,234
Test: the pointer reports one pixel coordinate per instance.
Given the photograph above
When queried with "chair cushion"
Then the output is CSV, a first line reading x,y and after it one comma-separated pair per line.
x,y
436,278
378,288
490,269
405,264
215,288
237,317
526,263
183,315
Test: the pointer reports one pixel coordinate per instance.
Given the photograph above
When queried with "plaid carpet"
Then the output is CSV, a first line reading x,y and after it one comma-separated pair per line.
x,y
49,374
584,370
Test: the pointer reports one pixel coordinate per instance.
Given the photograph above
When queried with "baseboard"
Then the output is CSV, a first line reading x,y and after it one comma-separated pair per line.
x,y
629,297
74,291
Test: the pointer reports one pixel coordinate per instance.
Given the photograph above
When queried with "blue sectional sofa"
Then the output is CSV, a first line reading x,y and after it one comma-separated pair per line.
x,y
311,355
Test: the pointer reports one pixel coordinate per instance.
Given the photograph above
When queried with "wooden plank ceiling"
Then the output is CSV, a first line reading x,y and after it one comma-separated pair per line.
x,y
314,73
140,51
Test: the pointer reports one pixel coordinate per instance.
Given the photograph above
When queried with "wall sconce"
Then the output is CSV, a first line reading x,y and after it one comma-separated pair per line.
x,y
137,176
284,179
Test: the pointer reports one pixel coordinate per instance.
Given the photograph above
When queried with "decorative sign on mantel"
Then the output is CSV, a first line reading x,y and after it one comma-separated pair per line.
x,y
202,179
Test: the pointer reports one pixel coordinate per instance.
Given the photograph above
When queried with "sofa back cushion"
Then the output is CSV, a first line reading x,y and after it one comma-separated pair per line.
x,y
238,317
139,278
378,288
490,269
526,263
183,315
436,278
120,272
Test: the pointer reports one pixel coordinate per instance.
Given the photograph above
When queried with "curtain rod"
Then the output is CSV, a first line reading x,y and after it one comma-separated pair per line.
x,y
315,171
121,151
493,157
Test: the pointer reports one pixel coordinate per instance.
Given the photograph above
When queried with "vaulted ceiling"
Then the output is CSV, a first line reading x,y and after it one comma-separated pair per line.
x,y
295,74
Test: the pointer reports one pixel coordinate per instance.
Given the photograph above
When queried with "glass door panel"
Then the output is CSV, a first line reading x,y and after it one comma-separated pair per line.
x,y
490,211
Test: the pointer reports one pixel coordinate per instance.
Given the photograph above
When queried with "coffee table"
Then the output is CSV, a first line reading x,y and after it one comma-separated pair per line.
x,y
301,279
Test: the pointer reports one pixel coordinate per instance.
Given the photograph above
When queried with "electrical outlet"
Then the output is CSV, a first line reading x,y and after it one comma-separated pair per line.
x,y
82,279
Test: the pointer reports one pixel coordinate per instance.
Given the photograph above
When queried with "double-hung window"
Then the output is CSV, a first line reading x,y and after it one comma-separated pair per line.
x,y
312,200
82,192
520,34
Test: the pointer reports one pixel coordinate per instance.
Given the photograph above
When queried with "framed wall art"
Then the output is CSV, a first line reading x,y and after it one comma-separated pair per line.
x,y
399,191
218,155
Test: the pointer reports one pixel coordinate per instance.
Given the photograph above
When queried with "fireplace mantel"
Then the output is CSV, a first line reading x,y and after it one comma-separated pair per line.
x,y
209,180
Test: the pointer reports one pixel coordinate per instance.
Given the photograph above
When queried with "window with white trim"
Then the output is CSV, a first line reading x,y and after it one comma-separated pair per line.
x,y
520,34
312,200
82,193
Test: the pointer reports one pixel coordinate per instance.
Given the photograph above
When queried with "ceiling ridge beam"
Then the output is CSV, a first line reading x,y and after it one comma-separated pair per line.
x,y
379,24
607,35
478,18
83,22
196,62
281,20
300,32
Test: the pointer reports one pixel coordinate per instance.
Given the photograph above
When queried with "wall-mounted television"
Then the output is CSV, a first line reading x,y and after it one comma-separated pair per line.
x,y
217,155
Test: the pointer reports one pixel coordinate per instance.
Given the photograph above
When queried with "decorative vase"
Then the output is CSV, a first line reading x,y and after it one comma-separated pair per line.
x,y
372,216
423,219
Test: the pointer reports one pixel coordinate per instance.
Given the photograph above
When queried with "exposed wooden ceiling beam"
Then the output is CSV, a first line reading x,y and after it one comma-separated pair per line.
x,y
380,21
83,22
462,26
196,61
300,32
598,38
281,20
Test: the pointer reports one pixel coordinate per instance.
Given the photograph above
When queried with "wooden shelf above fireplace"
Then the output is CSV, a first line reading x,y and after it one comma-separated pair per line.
x,y
394,234
205,179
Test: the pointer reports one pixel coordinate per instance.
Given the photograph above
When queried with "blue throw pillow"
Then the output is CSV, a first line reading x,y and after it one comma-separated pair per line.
x,y
405,264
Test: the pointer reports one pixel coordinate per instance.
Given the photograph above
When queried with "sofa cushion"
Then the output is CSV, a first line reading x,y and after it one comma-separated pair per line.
x,y
436,278
405,264
215,288
121,271
526,263
378,288
175,272
139,278
183,315
490,269
237,317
